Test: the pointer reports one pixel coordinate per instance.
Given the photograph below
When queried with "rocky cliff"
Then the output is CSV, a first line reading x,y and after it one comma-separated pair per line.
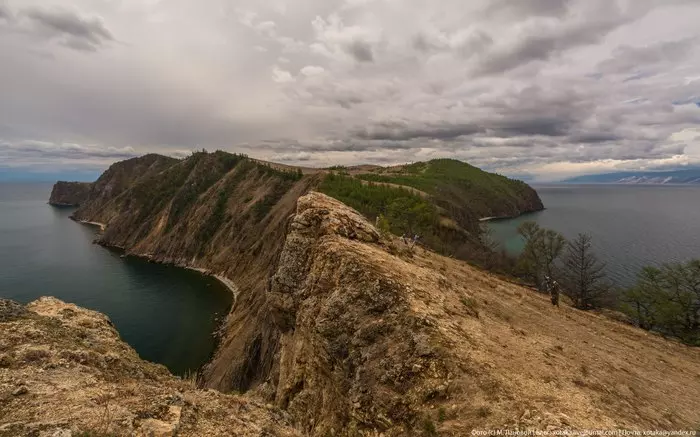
x,y
64,371
377,340
352,333
69,193
365,337
228,214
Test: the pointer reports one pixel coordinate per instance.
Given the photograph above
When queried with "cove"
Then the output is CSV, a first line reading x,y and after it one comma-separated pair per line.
x,y
168,314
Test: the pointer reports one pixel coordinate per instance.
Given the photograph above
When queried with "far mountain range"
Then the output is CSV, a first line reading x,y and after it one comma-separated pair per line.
x,y
685,176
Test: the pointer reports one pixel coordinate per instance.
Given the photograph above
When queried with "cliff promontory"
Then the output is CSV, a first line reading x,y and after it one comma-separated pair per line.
x,y
228,214
69,193
365,337
339,330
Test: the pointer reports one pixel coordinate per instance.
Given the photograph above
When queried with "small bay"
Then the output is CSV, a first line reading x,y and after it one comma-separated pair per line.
x,y
167,314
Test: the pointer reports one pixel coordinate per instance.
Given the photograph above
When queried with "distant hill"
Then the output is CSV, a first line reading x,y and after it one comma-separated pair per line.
x,y
229,214
688,176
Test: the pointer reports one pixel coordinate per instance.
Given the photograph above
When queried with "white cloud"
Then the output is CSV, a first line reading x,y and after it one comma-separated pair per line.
x,y
281,76
312,70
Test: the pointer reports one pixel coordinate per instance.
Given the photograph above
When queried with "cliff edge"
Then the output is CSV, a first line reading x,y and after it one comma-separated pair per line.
x,y
353,334
378,339
69,193
64,371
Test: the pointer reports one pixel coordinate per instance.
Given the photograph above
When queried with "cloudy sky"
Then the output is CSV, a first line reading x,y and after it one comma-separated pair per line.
x,y
547,88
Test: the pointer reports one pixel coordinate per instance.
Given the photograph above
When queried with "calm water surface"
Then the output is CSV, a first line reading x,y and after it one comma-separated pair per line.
x,y
632,226
167,314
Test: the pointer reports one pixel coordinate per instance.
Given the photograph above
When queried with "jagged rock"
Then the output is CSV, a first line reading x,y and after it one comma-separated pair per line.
x,y
71,386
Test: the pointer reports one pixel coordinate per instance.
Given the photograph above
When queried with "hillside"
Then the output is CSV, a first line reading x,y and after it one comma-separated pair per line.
x,y
228,214
441,200
366,338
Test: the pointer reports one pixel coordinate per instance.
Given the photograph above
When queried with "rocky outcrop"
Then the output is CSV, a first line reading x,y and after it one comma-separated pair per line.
x,y
354,333
377,339
64,371
69,193
219,212
354,358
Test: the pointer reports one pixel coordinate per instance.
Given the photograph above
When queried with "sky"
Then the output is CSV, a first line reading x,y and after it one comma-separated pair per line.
x,y
541,89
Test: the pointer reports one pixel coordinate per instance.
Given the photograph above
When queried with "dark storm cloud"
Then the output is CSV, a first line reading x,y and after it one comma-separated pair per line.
x,y
77,32
627,59
594,137
349,145
361,51
545,126
543,44
404,132
46,150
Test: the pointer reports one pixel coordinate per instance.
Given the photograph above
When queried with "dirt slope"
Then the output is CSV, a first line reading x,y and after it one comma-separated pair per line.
x,y
375,340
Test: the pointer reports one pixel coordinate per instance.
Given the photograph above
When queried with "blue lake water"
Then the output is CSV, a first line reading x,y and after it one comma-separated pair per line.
x,y
631,225
166,313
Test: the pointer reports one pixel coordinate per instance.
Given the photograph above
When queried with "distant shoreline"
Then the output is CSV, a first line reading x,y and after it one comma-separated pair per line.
x,y
226,282
507,217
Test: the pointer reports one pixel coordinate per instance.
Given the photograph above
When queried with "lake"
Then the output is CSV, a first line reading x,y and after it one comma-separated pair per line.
x,y
167,314
632,225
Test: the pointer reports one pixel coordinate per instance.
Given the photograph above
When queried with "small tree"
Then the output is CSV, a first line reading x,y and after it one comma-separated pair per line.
x,y
542,248
383,225
582,274
667,299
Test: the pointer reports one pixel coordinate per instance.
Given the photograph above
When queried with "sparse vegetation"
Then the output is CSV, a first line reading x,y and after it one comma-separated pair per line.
x,y
483,411
429,428
471,305
667,299
542,248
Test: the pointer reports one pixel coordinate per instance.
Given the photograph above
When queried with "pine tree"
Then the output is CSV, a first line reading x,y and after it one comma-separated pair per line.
x,y
542,248
583,276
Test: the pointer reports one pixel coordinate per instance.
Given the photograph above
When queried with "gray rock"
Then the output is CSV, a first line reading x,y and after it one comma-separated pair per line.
x,y
11,310
23,390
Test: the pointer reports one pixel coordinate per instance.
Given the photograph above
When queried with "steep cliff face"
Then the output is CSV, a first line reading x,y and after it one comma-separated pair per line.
x,y
376,340
353,357
220,212
118,178
64,371
69,193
